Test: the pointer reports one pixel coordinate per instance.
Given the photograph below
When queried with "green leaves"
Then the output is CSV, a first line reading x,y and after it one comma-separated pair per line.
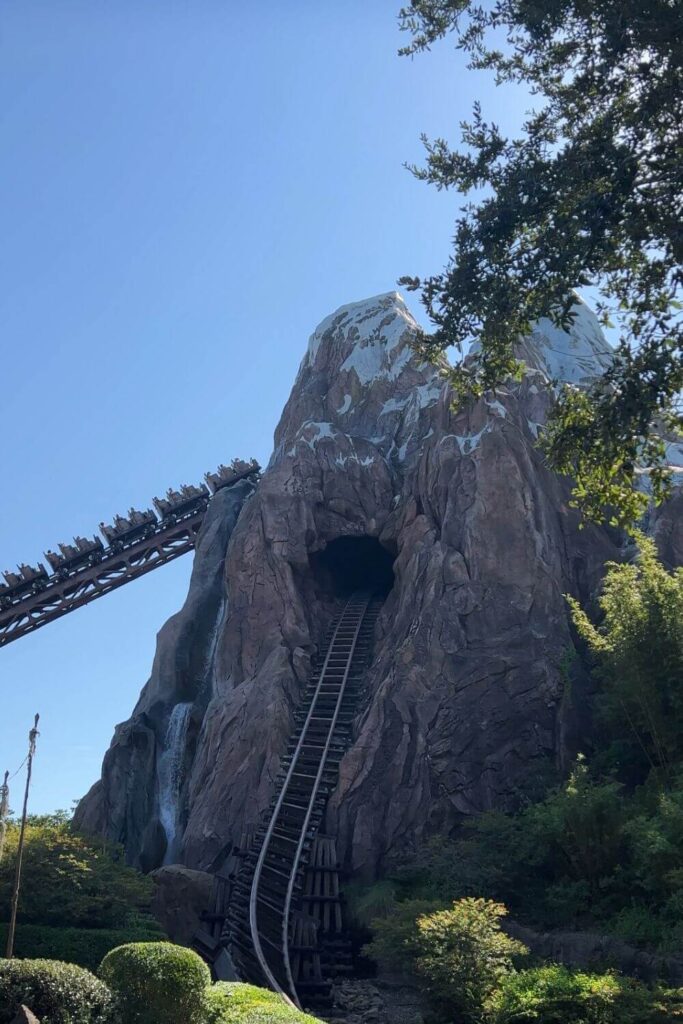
x,y
57,993
463,955
638,649
71,879
157,981
590,193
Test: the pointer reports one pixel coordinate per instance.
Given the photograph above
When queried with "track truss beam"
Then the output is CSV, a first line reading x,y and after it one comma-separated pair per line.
x,y
116,568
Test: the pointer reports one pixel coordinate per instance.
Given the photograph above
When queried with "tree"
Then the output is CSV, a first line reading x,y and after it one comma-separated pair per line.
x,y
589,194
71,879
638,648
464,955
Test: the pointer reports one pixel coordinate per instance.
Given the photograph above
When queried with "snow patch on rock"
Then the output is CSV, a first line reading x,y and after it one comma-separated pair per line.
x,y
369,360
384,316
468,443
497,408
576,356
674,454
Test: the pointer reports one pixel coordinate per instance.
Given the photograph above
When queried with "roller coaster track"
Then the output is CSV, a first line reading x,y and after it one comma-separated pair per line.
x,y
58,595
267,896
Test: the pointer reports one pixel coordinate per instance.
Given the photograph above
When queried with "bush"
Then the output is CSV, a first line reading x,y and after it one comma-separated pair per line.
x,y
83,946
464,955
638,648
57,993
71,880
394,943
235,1003
556,995
368,903
157,983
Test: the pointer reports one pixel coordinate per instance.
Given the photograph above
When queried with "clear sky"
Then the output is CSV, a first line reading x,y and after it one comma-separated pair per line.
x,y
186,190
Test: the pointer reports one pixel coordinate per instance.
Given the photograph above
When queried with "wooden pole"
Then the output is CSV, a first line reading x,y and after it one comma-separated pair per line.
x,y
4,809
32,736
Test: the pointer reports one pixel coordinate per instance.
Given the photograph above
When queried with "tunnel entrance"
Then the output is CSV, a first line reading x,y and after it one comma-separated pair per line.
x,y
353,563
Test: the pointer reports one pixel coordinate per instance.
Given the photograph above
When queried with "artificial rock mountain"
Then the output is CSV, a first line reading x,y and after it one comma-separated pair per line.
x,y
466,698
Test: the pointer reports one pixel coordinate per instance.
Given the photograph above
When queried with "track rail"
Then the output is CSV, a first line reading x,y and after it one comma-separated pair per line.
x,y
62,596
265,899
59,595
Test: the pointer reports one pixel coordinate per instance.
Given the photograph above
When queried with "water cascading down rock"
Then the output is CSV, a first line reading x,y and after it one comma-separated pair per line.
x,y
465,700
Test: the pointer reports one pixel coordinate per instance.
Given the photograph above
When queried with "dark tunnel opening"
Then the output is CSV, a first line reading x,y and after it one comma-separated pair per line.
x,y
353,563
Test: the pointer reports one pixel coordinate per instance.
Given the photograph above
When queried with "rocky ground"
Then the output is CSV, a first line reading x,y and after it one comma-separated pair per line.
x,y
380,1001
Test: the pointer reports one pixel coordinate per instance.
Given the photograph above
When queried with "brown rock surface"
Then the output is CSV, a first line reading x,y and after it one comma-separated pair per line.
x,y
594,951
465,700
180,897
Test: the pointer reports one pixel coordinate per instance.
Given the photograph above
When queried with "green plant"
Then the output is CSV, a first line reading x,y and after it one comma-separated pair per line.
x,y
638,649
157,983
71,880
57,993
394,944
580,826
367,903
556,995
236,1003
463,955
85,947
587,193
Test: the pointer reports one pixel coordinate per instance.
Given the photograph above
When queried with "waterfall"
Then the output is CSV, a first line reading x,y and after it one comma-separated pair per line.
x,y
213,644
170,776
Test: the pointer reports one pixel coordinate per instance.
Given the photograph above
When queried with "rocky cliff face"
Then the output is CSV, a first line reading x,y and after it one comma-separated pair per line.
x,y
465,700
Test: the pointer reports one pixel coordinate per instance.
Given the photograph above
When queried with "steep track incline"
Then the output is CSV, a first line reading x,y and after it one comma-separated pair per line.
x,y
265,898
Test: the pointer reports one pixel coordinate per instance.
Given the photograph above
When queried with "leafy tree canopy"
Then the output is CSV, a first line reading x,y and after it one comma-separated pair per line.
x,y
69,879
590,193
638,650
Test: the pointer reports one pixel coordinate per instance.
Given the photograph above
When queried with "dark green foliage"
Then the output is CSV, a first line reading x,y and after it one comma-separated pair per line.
x,y
70,879
556,995
591,856
638,651
57,993
588,194
463,956
157,983
235,1003
83,946
395,941
603,850
366,903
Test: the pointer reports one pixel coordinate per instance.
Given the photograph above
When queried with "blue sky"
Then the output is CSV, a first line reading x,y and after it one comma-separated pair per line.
x,y
186,190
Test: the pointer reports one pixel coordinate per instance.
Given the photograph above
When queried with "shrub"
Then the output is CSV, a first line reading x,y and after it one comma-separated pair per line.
x,y
70,879
556,995
394,943
57,993
464,955
367,903
83,946
638,648
157,983
235,1003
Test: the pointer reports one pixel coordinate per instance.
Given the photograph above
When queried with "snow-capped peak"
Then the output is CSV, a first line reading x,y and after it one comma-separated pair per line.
x,y
576,356
374,326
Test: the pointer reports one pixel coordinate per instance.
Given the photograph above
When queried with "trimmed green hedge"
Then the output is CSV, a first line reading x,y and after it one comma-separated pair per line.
x,y
157,983
56,993
237,1003
85,947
